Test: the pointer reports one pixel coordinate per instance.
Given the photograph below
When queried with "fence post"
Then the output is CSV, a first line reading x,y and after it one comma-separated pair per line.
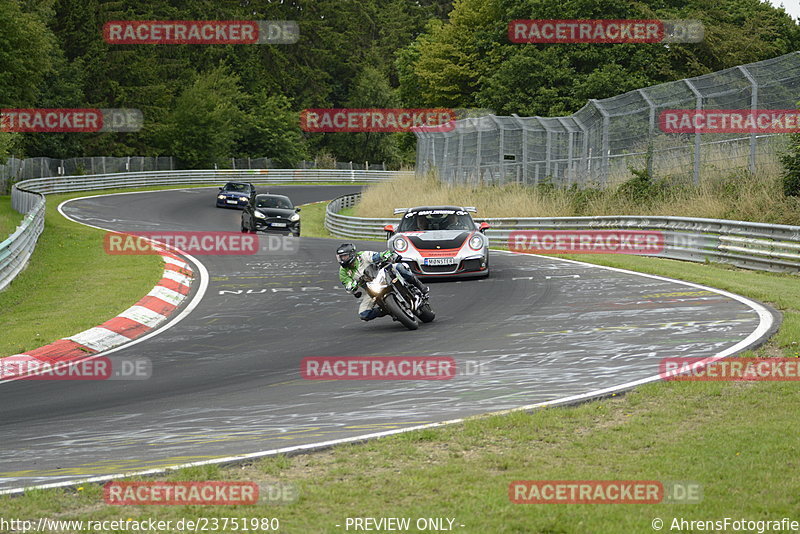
x,y
586,153
698,107
443,171
651,130
524,148
478,157
460,162
548,147
753,108
570,149
606,141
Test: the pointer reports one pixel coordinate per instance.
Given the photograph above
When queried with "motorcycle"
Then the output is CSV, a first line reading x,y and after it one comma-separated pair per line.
x,y
395,296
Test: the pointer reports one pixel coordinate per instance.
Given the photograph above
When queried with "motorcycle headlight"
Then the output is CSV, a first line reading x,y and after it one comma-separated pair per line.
x,y
376,287
221,197
400,244
295,217
259,215
476,242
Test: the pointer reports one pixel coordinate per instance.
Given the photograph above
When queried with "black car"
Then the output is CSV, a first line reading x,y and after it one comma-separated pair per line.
x,y
235,195
271,213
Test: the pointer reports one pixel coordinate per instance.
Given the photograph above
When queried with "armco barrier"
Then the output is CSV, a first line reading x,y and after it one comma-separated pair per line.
x,y
757,246
17,249
27,197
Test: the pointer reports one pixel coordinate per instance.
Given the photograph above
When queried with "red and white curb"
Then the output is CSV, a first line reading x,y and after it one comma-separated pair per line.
x,y
151,311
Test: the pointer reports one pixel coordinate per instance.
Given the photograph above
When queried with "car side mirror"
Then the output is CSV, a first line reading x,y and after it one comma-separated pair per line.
x,y
297,209
220,188
389,229
483,227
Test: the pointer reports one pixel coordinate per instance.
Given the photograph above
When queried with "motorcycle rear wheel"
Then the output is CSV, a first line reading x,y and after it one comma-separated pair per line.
x,y
426,314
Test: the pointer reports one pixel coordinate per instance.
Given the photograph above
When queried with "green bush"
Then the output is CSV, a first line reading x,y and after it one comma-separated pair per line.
x,y
791,167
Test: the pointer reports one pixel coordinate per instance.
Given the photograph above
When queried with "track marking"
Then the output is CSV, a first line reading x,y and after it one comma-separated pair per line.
x,y
766,321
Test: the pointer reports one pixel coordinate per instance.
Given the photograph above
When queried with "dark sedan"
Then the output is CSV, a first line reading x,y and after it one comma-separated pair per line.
x,y
235,195
271,213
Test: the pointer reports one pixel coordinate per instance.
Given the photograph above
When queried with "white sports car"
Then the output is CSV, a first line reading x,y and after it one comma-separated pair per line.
x,y
441,241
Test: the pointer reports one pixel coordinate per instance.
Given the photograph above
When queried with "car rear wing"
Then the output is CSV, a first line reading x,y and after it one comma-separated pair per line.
x,y
400,210
473,209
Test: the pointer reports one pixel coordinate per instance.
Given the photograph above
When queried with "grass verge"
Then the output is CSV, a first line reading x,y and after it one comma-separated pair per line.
x,y
732,438
47,301
9,219
738,196
70,284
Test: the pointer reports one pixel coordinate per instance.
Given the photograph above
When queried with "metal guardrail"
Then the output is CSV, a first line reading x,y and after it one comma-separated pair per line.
x,y
27,197
749,245
17,249
64,184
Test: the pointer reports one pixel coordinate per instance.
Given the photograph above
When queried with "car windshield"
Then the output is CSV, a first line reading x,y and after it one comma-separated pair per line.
x,y
423,221
236,188
273,202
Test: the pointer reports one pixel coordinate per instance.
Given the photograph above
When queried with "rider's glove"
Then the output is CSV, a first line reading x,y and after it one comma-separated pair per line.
x,y
357,294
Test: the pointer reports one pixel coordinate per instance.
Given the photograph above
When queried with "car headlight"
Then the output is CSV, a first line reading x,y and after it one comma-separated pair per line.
x,y
221,197
295,217
400,244
476,242
259,215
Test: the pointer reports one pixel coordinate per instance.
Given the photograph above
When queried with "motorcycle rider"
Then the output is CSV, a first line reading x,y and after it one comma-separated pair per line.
x,y
352,264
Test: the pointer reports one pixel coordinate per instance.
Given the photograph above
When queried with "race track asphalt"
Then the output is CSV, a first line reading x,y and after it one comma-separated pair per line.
x,y
226,378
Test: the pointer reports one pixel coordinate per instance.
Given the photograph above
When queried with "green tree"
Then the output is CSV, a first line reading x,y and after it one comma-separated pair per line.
x,y
26,48
468,59
371,89
202,129
271,129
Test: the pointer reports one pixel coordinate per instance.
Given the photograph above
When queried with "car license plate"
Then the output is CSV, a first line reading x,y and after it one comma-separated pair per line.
x,y
233,201
278,225
439,261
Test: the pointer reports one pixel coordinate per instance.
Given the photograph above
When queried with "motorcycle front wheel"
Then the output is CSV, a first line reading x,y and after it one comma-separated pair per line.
x,y
394,308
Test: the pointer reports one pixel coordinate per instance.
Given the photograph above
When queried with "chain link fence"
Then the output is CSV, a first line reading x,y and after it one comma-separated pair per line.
x,y
600,144
266,163
16,169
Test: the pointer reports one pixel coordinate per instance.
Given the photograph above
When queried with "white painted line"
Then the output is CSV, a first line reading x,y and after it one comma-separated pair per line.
x,y
143,315
163,293
765,323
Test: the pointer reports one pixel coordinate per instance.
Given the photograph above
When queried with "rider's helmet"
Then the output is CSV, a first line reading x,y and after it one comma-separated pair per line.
x,y
346,254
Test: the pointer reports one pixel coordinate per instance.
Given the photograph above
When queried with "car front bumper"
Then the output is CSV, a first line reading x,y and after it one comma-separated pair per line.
x,y
471,267
268,225
226,203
